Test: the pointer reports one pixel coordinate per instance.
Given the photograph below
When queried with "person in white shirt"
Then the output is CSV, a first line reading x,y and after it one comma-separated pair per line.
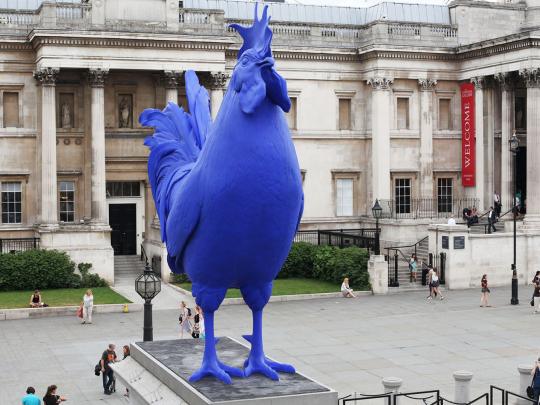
x,y
88,306
346,290
451,220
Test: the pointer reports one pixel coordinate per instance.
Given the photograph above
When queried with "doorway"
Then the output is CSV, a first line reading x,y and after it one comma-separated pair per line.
x,y
123,221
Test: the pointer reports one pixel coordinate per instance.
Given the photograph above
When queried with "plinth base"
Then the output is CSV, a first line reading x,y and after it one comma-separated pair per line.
x,y
171,363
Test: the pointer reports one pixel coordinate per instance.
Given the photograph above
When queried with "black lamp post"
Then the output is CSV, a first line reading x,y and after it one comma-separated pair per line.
x,y
514,145
377,212
148,285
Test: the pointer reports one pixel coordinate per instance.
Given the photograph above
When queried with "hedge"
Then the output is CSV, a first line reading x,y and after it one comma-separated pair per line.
x,y
44,269
327,263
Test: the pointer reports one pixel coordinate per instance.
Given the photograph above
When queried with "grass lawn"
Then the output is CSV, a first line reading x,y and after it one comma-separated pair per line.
x,y
285,286
61,297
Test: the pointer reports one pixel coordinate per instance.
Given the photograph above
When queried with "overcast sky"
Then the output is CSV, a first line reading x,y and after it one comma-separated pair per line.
x,y
359,3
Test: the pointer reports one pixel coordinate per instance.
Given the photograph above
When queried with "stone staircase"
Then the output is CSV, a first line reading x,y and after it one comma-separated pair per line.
x,y
126,269
404,255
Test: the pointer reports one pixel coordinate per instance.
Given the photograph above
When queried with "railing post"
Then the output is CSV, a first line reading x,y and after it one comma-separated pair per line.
x,y
430,259
1,249
396,265
318,238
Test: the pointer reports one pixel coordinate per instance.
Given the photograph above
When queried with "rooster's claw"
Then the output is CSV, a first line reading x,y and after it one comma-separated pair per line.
x,y
218,370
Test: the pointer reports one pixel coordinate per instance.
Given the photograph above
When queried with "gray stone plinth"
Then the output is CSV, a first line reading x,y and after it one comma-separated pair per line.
x,y
525,379
172,362
462,391
392,385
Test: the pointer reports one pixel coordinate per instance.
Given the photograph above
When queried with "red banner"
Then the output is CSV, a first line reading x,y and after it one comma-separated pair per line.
x,y
468,135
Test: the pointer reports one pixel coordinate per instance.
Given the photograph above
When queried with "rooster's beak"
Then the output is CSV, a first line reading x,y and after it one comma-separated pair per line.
x,y
267,62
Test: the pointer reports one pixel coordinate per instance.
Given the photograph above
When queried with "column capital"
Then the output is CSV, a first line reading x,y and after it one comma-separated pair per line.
x,y
171,78
217,80
96,77
531,77
47,76
479,82
505,80
427,84
380,83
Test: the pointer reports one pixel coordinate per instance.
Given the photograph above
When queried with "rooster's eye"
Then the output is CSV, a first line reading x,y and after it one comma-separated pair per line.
x,y
245,61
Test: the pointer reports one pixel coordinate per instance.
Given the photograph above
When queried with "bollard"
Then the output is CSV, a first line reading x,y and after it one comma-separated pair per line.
x,y
391,386
525,379
462,391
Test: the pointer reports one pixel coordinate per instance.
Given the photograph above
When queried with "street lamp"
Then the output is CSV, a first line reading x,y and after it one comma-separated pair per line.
x,y
377,212
147,286
513,143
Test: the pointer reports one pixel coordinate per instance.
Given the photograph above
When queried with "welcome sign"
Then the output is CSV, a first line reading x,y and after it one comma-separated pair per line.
x,y
468,135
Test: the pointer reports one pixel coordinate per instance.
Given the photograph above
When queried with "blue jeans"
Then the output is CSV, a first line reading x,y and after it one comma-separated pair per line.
x,y
536,394
107,378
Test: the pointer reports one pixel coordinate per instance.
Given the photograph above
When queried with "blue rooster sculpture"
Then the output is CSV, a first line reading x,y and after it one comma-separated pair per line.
x,y
229,193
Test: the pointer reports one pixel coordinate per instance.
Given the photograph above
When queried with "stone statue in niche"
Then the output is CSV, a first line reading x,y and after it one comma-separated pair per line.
x,y
66,115
125,112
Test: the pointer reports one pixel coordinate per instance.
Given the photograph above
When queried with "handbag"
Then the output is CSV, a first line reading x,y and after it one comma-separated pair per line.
x,y
97,369
80,312
530,390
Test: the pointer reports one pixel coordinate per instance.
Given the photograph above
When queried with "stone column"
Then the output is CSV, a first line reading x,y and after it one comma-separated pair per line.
x,y
507,127
171,80
489,144
49,199
217,86
525,378
479,129
532,79
380,137
426,136
462,392
96,78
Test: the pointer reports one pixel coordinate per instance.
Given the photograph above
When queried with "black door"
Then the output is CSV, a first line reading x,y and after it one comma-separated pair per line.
x,y
123,221
521,178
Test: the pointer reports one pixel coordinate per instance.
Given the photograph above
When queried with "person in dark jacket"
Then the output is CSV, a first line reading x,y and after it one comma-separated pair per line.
x,y
492,218
535,372
51,398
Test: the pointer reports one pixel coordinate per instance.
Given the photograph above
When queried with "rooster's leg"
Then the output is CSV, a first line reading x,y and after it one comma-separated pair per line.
x,y
209,300
256,298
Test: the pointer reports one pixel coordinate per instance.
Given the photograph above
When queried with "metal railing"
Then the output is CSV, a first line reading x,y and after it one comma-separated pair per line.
x,y
428,208
363,238
18,245
430,397
393,256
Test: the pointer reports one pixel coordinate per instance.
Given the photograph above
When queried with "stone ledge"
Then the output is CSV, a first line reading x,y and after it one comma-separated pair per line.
x,y
278,298
27,313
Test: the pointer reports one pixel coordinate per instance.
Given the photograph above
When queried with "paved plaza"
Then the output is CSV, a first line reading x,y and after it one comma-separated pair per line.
x,y
347,344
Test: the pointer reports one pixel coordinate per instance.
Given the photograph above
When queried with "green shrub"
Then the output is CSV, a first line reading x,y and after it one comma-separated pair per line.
x,y
41,269
179,278
334,264
90,280
299,262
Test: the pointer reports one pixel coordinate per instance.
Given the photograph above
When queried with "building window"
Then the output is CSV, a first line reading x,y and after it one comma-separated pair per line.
x,y
344,113
344,197
291,115
445,121
11,203
520,112
444,195
123,189
67,201
403,196
402,113
11,109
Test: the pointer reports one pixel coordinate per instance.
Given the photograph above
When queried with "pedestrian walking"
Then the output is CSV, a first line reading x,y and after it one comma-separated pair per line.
x,y
497,204
430,282
492,218
198,323
51,398
108,357
436,284
536,298
31,398
484,298
535,372
413,267
184,319
88,306
127,353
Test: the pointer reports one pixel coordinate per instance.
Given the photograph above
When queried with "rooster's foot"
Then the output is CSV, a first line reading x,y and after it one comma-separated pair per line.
x,y
279,367
218,370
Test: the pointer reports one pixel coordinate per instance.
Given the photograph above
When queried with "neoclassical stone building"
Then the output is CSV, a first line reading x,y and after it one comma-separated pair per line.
x,y
376,110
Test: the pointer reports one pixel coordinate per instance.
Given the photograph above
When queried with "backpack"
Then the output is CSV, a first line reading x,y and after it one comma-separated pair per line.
x,y
97,369
189,312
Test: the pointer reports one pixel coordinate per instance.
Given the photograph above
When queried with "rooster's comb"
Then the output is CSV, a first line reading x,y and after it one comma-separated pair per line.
x,y
258,36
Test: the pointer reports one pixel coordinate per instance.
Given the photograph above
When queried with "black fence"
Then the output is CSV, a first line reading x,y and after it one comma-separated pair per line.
x,y
18,245
416,208
363,238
